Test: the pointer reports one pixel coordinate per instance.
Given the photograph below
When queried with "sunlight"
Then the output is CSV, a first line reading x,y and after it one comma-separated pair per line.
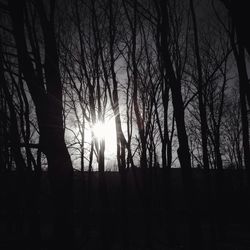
x,y
106,131
98,130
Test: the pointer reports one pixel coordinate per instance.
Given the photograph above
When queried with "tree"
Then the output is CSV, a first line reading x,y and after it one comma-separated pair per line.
x,y
178,107
202,106
239,54
46,93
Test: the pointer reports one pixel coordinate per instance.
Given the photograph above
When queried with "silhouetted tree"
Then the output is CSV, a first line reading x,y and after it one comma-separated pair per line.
x,y
46,93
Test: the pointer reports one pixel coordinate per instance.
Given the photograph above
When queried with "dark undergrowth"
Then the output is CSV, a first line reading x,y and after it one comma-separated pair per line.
x,y
226,219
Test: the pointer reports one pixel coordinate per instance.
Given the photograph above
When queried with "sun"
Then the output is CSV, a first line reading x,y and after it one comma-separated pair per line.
x,y
106,131
98,130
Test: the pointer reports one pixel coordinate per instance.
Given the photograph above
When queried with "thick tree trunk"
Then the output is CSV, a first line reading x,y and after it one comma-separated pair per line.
x,y
48,104
243,85
61,174
183,150
240,16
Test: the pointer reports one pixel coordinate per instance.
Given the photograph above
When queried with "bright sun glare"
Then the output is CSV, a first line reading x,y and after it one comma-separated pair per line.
x,y
106,131
99,129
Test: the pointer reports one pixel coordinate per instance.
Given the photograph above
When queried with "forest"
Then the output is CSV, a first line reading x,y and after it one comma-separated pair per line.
x,y
124,124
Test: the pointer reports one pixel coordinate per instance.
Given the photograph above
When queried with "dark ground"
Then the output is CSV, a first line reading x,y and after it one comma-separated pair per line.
x,y
233,202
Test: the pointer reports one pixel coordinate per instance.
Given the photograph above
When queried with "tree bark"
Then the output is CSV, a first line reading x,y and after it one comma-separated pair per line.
x,y
183,150
243,86
48,104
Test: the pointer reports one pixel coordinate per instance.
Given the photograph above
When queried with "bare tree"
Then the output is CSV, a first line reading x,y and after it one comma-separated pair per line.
x,y
178,106
239,54
46,93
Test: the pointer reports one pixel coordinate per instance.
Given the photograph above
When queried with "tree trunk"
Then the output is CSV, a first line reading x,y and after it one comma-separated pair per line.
x,y
243,84
183,150
202,105
48,104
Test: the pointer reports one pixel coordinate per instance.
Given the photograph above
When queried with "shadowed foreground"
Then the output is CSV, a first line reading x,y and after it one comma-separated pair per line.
x,y
231,226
